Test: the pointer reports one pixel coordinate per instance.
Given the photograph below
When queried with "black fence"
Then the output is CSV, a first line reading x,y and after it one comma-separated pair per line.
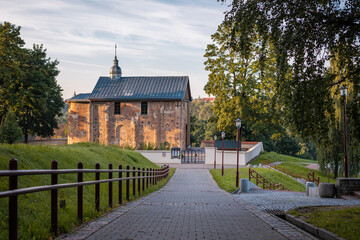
x,y
144,178
193,156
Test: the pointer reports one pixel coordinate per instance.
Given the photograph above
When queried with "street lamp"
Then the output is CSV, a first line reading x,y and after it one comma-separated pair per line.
x,y
222,166
343,93
215,138
238,125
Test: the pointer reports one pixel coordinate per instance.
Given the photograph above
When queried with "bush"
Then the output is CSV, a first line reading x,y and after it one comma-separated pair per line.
x,y
10,131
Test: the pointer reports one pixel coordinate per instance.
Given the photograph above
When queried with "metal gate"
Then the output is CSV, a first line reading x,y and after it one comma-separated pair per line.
x,y
193,155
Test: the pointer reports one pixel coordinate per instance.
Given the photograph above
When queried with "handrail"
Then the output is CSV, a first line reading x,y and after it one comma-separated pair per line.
x,y
152,177
266,183
310,176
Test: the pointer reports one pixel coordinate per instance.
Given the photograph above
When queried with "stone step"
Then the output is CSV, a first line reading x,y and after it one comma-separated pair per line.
x,y
349,197
356,194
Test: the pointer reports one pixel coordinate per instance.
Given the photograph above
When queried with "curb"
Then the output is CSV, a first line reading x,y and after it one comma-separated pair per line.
x,y
317,232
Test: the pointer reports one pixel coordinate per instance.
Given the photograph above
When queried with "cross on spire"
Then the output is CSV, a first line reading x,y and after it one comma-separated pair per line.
x,y
115,51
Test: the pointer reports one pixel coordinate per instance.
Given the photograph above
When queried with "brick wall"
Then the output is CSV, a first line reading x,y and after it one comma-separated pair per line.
x,y
165,122
79,122
345,186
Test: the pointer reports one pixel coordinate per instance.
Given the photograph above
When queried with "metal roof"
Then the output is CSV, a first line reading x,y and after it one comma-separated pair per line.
x,y
227,144
141,88
81,97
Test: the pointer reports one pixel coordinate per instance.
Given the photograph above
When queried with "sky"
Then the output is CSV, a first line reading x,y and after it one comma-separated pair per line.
x,y
153,37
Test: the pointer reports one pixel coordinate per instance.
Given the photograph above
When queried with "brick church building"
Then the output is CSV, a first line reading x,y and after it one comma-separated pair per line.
x,y
128,111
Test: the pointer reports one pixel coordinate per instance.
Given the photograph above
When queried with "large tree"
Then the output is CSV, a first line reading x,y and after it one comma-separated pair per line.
x,y
28,84
307,35
244,89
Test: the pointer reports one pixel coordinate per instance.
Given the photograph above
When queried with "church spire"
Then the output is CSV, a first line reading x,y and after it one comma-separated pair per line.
x,y
115,70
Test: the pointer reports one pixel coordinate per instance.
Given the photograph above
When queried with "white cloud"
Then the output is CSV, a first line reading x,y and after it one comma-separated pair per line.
x,y
81,32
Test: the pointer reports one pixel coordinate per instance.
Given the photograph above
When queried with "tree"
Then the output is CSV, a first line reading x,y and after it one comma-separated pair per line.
x,y
31,91
10,131
243,89
307,35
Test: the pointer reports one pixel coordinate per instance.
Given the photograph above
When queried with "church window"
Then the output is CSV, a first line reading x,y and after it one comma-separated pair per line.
x,y
144,108
117,108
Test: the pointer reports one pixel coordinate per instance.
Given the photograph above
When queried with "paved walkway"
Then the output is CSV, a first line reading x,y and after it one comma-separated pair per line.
x,y
283,200
190,206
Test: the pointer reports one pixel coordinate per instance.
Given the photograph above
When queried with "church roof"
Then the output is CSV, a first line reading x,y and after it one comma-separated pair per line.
x,y
140,88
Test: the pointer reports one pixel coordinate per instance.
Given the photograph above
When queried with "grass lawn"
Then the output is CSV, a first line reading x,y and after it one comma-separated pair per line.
x,y
296,165
344,221
34,209
227,182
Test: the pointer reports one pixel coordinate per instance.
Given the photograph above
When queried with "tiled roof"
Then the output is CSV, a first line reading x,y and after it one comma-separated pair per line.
x,y
81,97
140,88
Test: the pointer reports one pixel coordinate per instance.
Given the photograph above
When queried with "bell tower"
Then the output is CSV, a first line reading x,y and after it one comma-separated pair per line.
x,y
115,70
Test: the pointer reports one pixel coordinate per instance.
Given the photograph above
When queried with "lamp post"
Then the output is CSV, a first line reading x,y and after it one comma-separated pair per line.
x,y
343,93
238,125
215,138
222,165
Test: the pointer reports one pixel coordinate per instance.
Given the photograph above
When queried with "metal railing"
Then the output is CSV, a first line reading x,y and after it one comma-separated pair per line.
x,y
147,177
265,183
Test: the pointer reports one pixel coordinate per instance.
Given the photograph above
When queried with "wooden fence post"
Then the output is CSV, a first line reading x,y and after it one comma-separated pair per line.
x,y
128,184
97,188
110,187
80,194
120,185
139,181
147,178
54,199
13,203
143,180
134,181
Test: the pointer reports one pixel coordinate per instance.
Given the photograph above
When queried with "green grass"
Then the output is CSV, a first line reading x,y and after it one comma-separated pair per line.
x,y
34,209
303,170
344,221
293,164
276,157
227,182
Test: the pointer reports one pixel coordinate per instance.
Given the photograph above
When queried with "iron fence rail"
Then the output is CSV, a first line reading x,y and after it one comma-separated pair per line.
x,y
143,177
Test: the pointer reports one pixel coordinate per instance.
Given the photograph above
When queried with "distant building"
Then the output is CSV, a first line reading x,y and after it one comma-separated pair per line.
x,y
208,99
132,110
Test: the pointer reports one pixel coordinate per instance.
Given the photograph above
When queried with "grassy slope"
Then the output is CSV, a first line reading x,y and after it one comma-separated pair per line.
x,y
34,209
227,182
343,222
296,165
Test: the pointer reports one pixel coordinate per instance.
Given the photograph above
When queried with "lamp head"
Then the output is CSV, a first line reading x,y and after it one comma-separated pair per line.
x,y
222,135
343,91
215,137
238,123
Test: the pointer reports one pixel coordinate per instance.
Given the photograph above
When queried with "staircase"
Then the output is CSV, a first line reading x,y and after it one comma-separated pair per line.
x,y
355,196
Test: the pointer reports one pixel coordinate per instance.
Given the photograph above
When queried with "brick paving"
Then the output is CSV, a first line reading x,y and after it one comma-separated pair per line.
x,y
190,206
283,200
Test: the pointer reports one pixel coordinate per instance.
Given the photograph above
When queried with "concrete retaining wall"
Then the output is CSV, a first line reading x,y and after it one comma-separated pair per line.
x,y
57,141
230,156
345,186
159,156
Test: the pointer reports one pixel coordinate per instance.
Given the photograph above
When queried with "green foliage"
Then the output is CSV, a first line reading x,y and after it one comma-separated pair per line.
x,y
245,88
28,84
163,146
203,122
341,220
319,42
10,131
34,209
146,146
227,182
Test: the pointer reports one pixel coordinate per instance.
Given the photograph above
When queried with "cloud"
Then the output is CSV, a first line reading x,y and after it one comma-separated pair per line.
x,y
146,31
